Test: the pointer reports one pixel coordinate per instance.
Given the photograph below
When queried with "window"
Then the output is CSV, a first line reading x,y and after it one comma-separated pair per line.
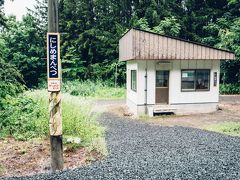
x,y
134,80
202,79
188,80
162,78
195,80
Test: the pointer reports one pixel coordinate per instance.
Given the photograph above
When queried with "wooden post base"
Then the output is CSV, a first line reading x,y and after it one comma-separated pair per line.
x,y
56,153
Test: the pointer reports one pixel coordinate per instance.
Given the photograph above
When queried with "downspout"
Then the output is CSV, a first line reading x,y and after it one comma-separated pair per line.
x,y
145,103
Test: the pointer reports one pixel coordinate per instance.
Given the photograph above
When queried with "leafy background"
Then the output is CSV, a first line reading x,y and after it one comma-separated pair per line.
x,y
90,31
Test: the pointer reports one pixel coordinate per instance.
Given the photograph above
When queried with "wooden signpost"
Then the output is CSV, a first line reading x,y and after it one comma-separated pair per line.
x,y
54,86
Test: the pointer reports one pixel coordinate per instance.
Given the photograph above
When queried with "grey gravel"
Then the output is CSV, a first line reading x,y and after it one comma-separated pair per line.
x,y
142,151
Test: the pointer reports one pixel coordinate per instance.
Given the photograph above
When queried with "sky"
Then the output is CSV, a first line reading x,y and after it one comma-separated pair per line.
x,y
18,7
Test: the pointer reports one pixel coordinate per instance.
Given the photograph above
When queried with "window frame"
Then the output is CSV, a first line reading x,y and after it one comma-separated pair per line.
x,y
131,80
195,72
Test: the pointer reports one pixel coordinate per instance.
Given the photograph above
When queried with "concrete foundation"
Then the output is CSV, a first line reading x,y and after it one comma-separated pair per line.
x,y
178,109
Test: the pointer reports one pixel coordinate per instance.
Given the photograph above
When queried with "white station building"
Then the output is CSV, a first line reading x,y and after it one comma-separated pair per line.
x,y
170,75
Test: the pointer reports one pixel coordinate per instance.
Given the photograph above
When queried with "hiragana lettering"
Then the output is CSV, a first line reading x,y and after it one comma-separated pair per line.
x,y
53,72
53,51
53,56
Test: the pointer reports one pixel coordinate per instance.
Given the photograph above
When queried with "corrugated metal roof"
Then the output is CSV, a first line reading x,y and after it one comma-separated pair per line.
x,y
143,45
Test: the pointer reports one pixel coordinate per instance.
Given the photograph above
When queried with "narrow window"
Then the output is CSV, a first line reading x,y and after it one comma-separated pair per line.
x,y
188,80
134,80
202,79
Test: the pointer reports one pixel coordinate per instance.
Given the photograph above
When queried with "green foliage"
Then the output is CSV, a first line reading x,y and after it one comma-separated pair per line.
x,y
225,34
142,23
96,90
168,26
229,88
229,128
24,49
11,82
90,31
27,117
21,118
79,121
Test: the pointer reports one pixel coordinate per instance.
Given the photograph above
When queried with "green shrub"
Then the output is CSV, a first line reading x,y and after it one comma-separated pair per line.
x,y
20,118
27,117
230,88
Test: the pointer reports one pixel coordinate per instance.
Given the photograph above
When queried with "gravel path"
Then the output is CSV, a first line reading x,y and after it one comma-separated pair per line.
x,y
143,151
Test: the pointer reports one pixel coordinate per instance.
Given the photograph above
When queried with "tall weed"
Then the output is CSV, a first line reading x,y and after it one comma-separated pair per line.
x,y
27,117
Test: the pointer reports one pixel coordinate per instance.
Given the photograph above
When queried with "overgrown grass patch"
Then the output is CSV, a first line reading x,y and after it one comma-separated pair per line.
x,y
27,117
93,90
229,128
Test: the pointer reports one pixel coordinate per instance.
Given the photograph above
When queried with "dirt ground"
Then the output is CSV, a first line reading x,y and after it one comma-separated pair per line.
x,y
229,112
24,158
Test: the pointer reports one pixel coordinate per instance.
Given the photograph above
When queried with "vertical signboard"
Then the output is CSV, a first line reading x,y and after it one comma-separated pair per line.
x,y
215,79
53,62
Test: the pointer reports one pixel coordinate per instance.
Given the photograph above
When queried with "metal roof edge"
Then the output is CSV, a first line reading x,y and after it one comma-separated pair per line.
x,y
139,59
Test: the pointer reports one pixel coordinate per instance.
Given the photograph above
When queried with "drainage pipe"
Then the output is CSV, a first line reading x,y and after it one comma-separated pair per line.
x,y
145,89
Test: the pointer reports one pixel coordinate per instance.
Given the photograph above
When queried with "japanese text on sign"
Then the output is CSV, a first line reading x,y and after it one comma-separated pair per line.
x,y
53,59
54,65
215,79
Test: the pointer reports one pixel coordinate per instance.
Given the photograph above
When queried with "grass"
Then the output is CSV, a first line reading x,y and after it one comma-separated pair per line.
x,y
27,117
229,128
93,90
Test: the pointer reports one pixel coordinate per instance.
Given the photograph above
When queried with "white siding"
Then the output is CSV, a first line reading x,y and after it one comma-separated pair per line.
x,y
131,95
141,82
178,97
142,65
151,82
184,101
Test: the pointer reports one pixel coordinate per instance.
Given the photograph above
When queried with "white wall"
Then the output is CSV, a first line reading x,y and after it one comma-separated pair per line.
x,y
178,97
131,95
139,97
136,100
141,85
151,82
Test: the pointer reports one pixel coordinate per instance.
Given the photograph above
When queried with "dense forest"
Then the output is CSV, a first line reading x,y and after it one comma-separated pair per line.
x,y
90,31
